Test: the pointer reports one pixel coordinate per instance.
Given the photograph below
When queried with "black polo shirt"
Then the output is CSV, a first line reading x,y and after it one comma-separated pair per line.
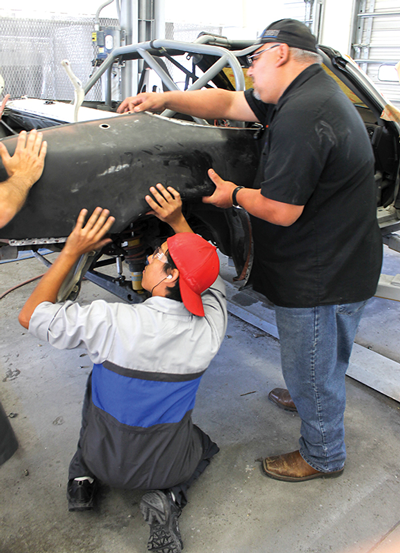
x,y
316,153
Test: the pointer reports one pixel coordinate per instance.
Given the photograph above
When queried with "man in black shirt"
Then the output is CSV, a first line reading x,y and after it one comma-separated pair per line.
x,y
318,249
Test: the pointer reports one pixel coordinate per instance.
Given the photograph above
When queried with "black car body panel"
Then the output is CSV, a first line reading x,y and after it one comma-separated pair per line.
x,y
113,163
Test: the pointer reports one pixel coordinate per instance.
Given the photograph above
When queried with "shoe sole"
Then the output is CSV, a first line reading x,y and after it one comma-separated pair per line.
x,y
78,508
162,537
276,402
269,474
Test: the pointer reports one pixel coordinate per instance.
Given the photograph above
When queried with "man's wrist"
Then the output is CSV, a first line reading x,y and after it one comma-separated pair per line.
x,y
20,182
69,255
181,226
234,194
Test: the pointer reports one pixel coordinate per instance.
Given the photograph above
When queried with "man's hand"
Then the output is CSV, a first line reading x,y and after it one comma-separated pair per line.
x,y
26,165
145,101
222,196
167,206
90,236
277,213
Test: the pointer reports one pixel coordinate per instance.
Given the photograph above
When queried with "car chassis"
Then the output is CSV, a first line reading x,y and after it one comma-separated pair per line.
x,y
96,157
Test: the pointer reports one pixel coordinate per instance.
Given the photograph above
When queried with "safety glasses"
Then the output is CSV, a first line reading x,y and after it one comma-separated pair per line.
x,y
251,59
160,255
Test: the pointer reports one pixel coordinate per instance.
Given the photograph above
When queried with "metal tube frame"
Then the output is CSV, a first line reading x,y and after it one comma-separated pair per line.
x,y
225,56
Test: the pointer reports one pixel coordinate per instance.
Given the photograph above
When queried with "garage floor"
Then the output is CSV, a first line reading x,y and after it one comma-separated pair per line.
x,y
233,508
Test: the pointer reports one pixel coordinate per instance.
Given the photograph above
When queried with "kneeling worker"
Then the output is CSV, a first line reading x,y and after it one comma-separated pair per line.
x,y
137,430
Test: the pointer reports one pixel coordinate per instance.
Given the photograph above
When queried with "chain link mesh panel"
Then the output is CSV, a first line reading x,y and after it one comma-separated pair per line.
x,y
31,51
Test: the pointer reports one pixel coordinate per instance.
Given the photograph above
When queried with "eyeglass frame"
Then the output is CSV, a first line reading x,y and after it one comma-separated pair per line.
x,y
253,57
160,255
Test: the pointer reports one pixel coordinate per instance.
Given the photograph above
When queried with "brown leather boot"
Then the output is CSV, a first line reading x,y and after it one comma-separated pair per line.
x,y
281,397
291,467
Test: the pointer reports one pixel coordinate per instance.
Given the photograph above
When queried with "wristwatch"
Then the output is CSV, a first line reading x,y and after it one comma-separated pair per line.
x,y
234,193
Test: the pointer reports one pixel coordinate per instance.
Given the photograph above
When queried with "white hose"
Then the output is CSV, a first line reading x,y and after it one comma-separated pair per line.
x,y
79,92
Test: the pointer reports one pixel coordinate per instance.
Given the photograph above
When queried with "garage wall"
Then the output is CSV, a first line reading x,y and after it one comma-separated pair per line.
x,y
244,18
373,41
36,36
376,43
39,9
337,25
237,18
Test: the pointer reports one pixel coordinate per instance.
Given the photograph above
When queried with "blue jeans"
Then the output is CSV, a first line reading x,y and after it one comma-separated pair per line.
x,y
316,344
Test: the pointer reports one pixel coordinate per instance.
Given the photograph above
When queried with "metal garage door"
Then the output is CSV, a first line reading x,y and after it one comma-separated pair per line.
x,y
376,43
308,11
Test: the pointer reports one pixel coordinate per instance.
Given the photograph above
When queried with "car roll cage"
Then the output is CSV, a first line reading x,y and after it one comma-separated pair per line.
x,y
227,53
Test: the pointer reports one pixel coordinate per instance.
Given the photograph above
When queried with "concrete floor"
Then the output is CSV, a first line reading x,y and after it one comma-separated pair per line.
x,y
233,508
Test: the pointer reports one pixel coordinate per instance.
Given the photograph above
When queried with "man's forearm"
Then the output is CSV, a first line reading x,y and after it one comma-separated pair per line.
x,y
84,238
49,286
207,104
13,193
274,212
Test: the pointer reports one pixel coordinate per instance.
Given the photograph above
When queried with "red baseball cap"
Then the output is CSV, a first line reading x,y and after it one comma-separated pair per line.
x,y
198,265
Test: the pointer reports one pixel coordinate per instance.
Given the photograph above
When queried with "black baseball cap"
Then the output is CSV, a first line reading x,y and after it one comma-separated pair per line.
x,y
290,31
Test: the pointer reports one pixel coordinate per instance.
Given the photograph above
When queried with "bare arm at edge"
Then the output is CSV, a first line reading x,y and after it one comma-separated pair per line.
x,y
24,168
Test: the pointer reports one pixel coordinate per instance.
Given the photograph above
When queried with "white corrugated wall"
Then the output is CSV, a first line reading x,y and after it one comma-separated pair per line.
x,y
378,26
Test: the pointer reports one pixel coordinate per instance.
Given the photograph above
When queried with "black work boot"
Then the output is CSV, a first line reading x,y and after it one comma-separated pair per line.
x,y
161,512
80,495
